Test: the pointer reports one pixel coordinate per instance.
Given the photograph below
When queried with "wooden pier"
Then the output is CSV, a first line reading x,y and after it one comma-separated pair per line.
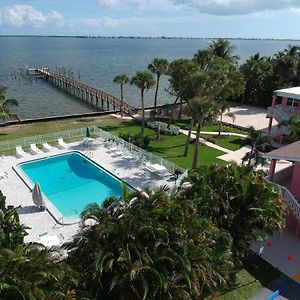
x,y
94,96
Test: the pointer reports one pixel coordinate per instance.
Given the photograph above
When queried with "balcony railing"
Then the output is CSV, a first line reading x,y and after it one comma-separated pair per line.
x,y
290,199
282,114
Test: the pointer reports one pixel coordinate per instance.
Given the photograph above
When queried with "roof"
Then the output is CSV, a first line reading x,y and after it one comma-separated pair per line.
x,y
290,152
293,93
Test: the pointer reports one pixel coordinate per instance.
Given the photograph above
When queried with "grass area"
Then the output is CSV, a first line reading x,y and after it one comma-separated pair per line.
x,y
24,130
169,147
256,274
230,142
185,124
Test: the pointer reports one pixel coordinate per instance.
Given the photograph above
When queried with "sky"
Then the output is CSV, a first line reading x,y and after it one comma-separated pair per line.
x,y
175,18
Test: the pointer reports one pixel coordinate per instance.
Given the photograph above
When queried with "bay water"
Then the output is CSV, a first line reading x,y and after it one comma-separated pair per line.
x,y
96,61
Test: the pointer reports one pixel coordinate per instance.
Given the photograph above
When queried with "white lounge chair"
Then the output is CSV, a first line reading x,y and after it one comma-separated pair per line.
x,y
117,153
19,151
47,147
3,175
34,149
61,144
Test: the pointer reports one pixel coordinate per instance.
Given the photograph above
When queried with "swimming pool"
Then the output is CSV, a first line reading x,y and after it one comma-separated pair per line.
x,y
71,181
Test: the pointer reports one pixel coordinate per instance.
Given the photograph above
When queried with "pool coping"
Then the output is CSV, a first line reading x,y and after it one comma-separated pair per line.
x,y
50,207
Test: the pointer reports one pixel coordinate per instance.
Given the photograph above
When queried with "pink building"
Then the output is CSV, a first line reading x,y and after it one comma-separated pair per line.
x,y
288,180
285,102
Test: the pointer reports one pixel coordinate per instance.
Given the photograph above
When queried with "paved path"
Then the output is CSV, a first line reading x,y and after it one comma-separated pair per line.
x,y
223,133
246,116
205,142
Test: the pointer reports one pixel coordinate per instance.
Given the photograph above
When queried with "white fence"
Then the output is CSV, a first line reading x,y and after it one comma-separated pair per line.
x,y
141,153
289,198
39,139
80,134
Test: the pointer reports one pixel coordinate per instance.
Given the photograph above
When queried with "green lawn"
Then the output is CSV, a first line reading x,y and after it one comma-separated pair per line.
x,y
169,147
231,142
185,124
256,275
24,130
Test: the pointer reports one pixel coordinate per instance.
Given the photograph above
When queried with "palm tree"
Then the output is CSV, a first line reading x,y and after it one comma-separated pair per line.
x,y
238,200
183,83
28,272
5,104
286,65
258,142
223,48
143,81
202,112
293,124
121,79
224,107
146,247
158,66
12,232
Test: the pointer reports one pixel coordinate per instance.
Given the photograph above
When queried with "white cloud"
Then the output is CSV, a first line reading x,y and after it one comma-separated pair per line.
x,y
141,5
113,3
238,7
26,15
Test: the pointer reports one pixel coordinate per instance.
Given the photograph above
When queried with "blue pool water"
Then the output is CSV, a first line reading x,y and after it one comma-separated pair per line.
x,y
71,181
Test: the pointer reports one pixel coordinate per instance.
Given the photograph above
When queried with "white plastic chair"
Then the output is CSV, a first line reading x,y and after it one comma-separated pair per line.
x,y
19,151
61,143
3,175
34,149
117,153
47,147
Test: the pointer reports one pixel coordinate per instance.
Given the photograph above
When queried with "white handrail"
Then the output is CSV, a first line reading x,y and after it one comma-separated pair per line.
x,y
141,153
290,200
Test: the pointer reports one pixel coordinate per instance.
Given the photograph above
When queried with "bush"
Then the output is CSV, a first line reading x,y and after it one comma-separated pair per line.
x,y
137,139
173,130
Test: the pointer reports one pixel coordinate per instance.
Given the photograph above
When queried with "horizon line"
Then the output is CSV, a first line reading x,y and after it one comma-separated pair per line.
x,y
145,37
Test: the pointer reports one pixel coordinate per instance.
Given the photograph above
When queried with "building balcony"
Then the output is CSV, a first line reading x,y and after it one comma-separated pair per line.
x,y
283,179
280,113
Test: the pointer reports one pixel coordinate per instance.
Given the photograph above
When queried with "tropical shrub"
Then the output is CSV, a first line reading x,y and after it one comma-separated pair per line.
x,y
239,200
164,128
137,139
12,233
151,247
27,271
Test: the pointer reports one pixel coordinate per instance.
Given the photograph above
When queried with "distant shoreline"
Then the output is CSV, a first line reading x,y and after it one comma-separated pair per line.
x,y
147,37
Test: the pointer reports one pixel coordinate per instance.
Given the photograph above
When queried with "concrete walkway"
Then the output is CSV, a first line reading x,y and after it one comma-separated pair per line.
x,y
205,142
246,116
223,133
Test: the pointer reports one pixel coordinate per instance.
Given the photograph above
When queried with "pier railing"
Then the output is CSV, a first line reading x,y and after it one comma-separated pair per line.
x,y
75,87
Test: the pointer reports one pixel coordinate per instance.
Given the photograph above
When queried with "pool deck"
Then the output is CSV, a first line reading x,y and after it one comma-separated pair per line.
x,y
41,223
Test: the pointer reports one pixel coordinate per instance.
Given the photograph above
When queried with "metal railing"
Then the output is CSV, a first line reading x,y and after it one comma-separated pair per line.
x,y
139,152
282,114
290,199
